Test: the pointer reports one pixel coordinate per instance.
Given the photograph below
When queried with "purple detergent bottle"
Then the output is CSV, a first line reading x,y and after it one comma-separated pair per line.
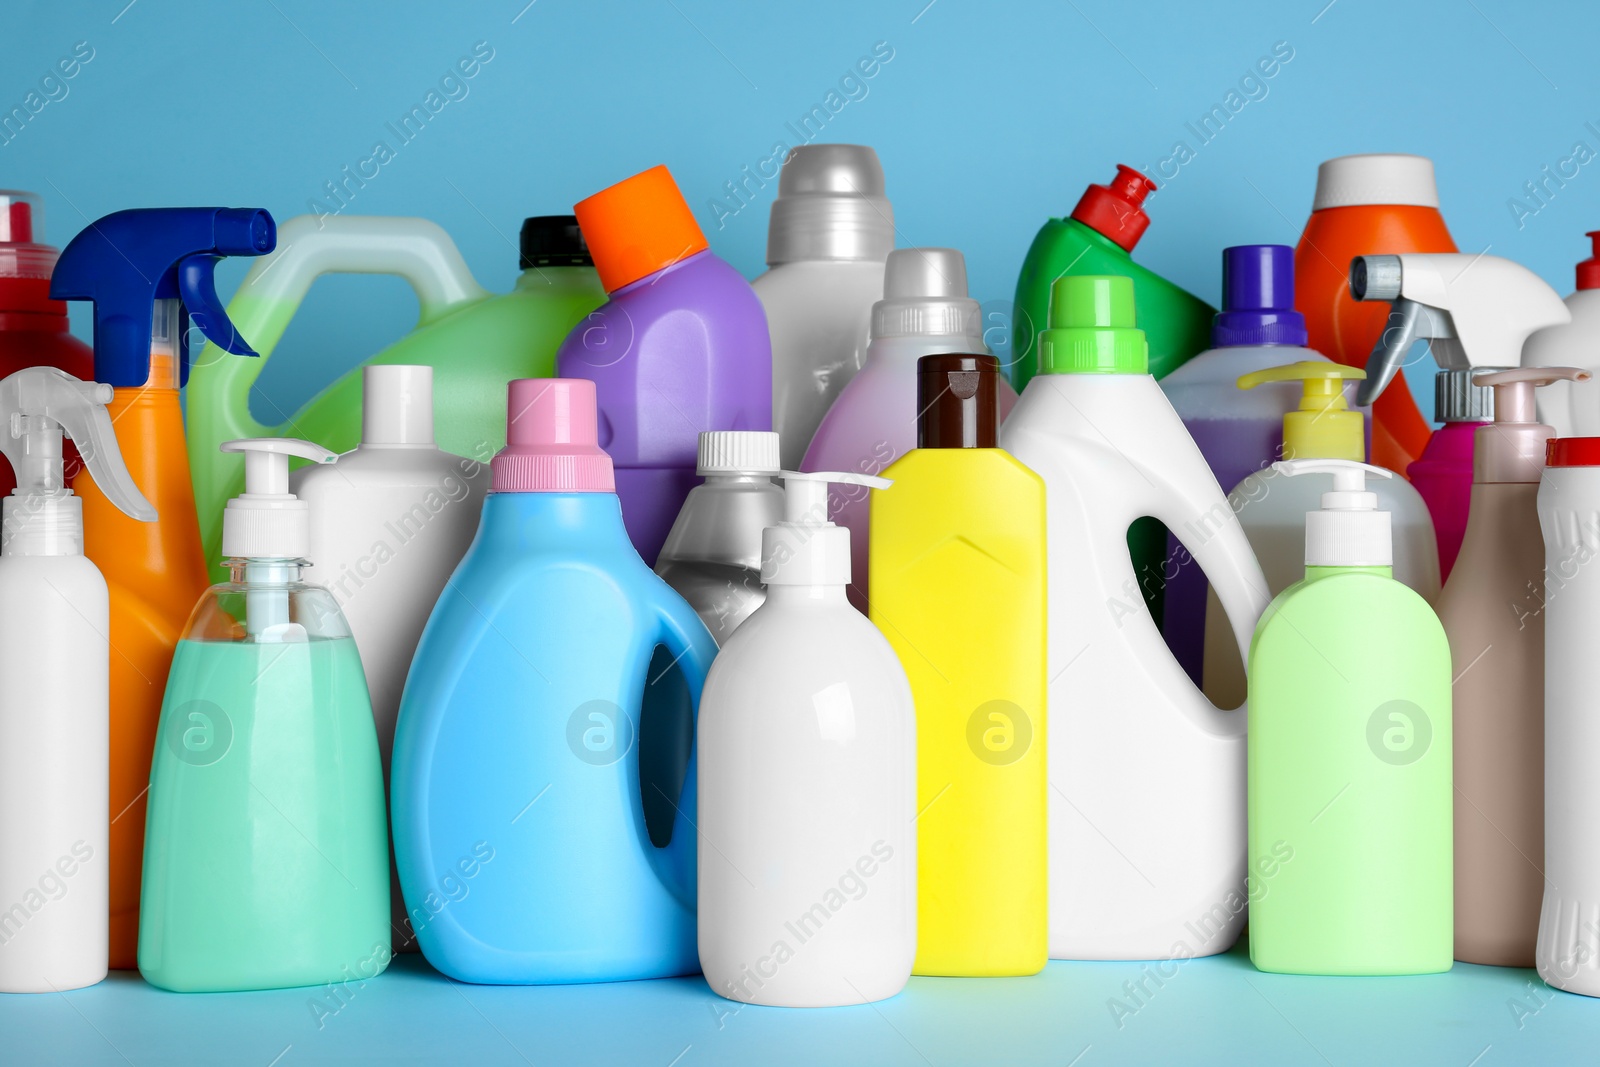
x,y
681,346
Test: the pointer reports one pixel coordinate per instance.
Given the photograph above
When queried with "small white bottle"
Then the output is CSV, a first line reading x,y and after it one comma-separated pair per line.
x,y
808,784
832,229
389,522
55,705
1568,950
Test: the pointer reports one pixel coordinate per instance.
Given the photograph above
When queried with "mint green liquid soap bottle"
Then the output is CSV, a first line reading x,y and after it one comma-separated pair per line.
x,y
1349,756
266,861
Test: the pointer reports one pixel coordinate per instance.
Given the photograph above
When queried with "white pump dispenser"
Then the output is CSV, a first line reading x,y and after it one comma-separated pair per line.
x,y
270,529
55,705
1349,531
808,784
1475,311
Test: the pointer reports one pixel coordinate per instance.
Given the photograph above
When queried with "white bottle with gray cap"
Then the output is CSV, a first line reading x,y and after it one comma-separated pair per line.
x,y
389,522
831,230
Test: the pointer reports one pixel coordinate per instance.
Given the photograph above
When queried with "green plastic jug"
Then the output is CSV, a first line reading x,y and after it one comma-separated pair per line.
x,y
475,341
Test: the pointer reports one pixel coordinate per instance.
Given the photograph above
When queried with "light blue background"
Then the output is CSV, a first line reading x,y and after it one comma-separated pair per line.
x,y
990,118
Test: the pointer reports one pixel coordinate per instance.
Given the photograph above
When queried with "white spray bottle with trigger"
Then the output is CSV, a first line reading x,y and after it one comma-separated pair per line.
x,y
55,705
808,783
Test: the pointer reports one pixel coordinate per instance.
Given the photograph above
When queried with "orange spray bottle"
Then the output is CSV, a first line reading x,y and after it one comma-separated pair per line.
x,y
149,275
1367,205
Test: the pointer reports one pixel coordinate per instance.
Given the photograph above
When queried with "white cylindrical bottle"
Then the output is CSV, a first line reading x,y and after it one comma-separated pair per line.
x,y
1568,949
389,522
55,705
807,788
1572,409
831,230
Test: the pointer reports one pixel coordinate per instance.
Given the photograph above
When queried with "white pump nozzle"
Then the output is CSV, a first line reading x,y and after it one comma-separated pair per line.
x,y
806,548
266,521
1476,310
1349,531
39,406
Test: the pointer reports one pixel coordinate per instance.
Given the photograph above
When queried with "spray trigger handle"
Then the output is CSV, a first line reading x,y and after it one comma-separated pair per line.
x,y
40,405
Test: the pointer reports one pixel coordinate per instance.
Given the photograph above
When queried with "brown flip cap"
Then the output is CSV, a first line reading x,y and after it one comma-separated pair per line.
x,y
958,403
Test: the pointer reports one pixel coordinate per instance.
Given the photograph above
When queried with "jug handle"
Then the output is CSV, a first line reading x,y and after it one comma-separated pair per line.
x,y
218,407
692,647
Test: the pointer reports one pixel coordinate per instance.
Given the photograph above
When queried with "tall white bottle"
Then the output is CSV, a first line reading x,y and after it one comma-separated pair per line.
x,y
1568,950
1572,409
808,784
831,230
389,522
55,704
1147,818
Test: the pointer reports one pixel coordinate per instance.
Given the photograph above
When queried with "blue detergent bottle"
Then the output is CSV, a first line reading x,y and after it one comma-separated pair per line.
x,y
520,828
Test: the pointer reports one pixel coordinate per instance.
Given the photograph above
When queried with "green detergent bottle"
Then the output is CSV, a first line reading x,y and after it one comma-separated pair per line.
x,y
476,342
1097,239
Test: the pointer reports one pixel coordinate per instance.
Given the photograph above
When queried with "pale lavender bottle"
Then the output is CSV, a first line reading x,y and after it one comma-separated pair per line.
x,y
681,346
925,311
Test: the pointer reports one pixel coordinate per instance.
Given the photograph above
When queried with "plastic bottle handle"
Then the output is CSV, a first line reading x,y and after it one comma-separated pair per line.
x,y
674,864
414,249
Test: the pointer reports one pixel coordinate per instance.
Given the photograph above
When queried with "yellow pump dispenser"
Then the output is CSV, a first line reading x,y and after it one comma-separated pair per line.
x,y
1324,427
957,560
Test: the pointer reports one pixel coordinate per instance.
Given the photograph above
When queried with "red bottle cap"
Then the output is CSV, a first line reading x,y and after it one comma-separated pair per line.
x,y
25,265
1114,211
1572,452
1589,269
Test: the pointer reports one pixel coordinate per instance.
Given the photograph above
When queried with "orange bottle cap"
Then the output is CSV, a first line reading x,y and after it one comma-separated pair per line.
x,y
638,226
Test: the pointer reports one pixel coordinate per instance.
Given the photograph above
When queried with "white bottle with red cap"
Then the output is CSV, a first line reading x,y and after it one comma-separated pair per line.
x,y
1568,949
1572,409
808,783
389,522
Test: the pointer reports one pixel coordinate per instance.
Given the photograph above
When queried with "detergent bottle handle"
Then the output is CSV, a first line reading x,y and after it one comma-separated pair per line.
x,y
692,649
308,246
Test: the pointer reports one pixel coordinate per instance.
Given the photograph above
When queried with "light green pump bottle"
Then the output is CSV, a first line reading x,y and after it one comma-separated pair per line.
x,y
266,859
1349,756
475,342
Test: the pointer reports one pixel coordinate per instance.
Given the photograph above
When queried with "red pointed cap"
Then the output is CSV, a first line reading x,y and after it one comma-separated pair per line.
x,y
1589,269
1115,210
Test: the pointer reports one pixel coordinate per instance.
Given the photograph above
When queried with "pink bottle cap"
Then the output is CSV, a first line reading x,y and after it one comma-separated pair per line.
x,y
551,440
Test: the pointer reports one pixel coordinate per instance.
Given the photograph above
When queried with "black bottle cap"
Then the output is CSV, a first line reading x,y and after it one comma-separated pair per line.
x,y
553,241
958,401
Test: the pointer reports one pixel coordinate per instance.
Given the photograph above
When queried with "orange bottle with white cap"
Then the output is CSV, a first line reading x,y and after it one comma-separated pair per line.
x,y
1367,205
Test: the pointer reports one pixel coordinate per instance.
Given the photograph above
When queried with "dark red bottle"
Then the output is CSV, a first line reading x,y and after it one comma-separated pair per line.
x,y
33,328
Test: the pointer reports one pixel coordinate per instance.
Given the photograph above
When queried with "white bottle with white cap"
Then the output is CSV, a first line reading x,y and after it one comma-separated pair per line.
x,y
712,556
389,522
831,230
807,784
55,703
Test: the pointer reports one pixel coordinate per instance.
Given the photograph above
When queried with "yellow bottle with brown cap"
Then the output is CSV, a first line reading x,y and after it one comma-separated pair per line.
x,y
1272,509
957,559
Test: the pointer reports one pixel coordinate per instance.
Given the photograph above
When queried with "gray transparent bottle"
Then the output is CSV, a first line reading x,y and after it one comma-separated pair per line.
x,y
713,553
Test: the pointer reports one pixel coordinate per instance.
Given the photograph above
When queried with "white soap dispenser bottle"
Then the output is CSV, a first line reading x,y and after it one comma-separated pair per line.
x,y
808,785
55,658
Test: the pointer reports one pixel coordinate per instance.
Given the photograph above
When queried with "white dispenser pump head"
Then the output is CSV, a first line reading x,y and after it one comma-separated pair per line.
x,y
1349,531
806,548
266,521
39,405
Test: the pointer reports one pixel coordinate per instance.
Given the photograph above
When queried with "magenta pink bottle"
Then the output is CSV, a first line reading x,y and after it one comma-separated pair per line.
x,y
1443,473
925,311
681,346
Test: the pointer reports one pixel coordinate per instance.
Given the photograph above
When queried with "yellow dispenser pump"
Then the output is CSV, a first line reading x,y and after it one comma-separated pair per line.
x,y
1324,427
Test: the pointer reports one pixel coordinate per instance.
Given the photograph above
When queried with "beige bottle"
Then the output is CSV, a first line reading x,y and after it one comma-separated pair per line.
x,y
1492,612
